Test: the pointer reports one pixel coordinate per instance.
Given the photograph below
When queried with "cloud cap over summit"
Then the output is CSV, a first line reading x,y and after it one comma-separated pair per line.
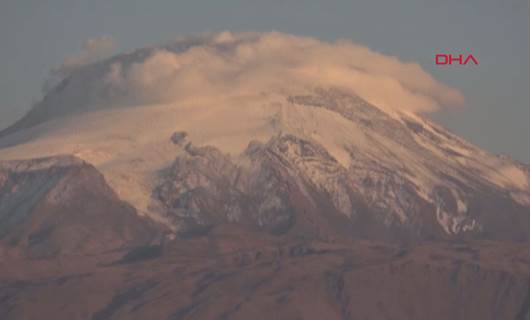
x,y
246,63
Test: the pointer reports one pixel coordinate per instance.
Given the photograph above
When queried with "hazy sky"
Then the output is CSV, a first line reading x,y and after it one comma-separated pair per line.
x,y
36,35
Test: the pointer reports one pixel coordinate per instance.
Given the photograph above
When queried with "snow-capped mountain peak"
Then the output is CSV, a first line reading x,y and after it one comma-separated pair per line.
x,y
301,151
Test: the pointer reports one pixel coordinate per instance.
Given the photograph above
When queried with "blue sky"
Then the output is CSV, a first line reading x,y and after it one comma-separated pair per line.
x,y
37,35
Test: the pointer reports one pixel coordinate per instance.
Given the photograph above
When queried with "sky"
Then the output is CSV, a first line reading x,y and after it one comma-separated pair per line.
x,y
37,36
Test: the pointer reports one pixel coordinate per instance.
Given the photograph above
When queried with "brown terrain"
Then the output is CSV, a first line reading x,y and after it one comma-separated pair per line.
x,y
231,273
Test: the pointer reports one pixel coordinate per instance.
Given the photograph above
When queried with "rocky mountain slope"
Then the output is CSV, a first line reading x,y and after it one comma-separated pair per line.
x,y
62,205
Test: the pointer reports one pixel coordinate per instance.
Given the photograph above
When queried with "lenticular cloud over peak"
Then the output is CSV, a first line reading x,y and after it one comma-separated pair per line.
x,y
208,66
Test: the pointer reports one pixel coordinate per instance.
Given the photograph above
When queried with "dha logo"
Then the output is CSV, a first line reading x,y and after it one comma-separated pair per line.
x,y
449,59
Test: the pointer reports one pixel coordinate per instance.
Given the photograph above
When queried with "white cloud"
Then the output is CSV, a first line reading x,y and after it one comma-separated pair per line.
x,y
209,66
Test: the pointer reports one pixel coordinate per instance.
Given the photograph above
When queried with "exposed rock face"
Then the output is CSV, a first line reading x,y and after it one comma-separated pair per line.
x,y
62,205
205,187
282,184
179,138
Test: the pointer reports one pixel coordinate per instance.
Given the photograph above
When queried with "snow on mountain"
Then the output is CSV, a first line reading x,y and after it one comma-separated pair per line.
x,y
62,205
265,128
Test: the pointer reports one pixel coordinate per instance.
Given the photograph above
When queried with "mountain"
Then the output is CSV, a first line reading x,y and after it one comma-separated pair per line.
x,y
62,205
221,177
323,162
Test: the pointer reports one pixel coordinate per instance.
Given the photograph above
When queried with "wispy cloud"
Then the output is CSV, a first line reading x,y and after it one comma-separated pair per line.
x,y
245,63
93,50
